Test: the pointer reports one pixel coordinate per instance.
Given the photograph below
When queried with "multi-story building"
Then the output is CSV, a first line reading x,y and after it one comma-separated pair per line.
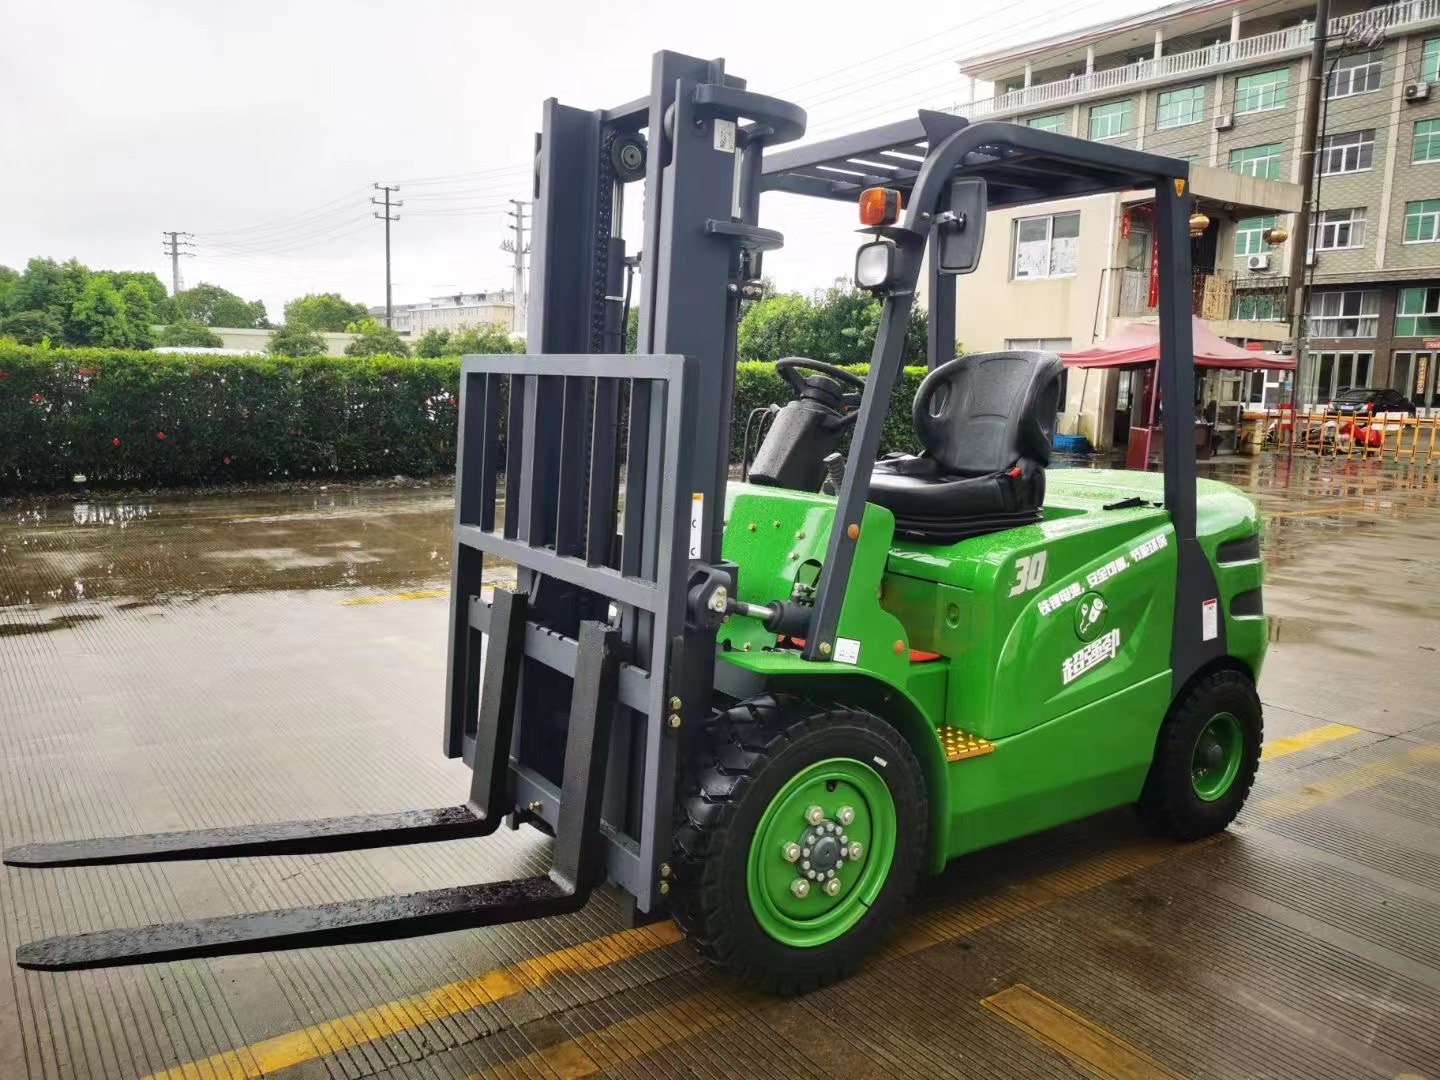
x,y
1222,83
453,312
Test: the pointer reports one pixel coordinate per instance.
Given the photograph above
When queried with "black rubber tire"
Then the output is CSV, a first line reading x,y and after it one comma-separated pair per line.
x,y
750,752
1168,803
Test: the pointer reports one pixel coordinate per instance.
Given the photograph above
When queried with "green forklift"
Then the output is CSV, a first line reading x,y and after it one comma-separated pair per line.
x,y
764,708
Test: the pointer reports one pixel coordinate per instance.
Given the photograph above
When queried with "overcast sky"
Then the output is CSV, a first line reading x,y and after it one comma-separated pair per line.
x,y
260,125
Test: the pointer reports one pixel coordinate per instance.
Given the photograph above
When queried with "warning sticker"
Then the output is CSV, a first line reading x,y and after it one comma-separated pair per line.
x,y
847,650
725,136
1210,620
697,515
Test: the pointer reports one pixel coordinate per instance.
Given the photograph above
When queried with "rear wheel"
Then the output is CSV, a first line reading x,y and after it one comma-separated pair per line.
x,y
798,842
1205,758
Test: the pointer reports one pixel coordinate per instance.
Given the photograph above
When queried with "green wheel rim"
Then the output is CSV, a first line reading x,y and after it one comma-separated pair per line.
x,y
817,912
1215,761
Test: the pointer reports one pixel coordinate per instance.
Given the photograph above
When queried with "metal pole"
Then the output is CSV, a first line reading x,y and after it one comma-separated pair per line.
x,y
387,217
1301,239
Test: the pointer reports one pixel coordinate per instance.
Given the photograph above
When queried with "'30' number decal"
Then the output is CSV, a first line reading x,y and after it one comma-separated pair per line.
x,y
1029,573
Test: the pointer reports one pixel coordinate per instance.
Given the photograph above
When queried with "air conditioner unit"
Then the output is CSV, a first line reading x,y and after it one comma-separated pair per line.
x,y
1225,122
1259,262
1417,91
1309,256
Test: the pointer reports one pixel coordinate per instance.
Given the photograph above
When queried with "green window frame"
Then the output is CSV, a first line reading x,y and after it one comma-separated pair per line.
x,y
1418,313
1054,122
1110,121
1262,91
1430,60
1176,108
1427,141
1261,161
1257,305
1422,221
1250,235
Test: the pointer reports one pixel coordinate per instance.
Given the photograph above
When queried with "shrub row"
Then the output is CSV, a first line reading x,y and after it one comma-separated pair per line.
x,y
145,419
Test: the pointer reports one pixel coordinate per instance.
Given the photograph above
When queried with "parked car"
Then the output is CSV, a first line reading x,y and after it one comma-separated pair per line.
x,y
1362,400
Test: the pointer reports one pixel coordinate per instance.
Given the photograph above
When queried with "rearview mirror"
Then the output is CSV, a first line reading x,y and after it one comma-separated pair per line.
x,y
961,231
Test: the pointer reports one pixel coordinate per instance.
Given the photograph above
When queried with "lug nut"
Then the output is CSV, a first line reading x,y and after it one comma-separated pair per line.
x,y
811,874
805,865
664,888
664,869
855,850
800,887
845,815
805,852
832,886
814,815
791,852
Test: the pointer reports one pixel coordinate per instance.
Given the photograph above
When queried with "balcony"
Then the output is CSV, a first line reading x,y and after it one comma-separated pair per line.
x,y
1245,51
1217,296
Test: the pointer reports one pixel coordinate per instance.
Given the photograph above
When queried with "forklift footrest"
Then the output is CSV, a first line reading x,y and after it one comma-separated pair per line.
x,y
279,838
959,745
347,922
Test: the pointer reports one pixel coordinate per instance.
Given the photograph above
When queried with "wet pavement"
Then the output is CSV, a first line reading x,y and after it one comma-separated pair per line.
x,y
183,662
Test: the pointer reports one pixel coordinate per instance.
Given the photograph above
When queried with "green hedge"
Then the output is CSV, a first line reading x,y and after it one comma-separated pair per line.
x,y
144,419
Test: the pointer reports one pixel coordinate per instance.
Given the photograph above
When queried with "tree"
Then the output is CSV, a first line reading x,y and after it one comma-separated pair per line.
x,y
323,311
295,341
372,339
31,327
112,318
49,287
490,339
190,334
8,277
139,314
837,325
210,305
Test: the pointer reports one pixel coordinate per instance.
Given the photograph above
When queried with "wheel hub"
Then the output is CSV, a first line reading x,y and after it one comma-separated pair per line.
x,y
821,852
1215,761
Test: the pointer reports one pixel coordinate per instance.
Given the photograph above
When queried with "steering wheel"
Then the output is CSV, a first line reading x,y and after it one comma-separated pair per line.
x,y
791,369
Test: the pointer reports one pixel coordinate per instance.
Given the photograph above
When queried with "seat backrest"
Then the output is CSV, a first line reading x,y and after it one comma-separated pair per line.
x,y
982,413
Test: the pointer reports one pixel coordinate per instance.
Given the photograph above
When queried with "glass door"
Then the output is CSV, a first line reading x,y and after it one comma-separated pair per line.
x,y
1414,376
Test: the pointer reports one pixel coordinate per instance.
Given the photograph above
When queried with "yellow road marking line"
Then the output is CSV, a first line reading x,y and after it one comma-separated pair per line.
x,y
1306,739
422,594
1360,778
283,1051
918,932
1344,508
1092,1049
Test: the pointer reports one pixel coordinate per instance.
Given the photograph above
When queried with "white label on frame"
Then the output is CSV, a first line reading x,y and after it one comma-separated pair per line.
x,y
697,515
1210,620
725,136
847,651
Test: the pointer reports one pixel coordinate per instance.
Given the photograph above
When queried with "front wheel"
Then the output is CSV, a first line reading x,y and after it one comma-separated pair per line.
x,y
798,841
1205,758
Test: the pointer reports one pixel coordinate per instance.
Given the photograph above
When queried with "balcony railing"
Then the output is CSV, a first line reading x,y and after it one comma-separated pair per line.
x,y
1215,295
1391,17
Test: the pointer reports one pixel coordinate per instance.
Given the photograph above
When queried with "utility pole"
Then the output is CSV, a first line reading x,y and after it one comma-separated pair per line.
x,y
174,243
1300,241
387,217
520,248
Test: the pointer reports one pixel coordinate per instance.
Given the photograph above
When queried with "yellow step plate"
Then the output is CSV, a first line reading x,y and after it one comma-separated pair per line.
x,y
961,744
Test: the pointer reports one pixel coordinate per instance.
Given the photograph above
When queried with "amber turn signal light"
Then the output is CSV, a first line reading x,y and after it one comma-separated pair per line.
x,y
879,206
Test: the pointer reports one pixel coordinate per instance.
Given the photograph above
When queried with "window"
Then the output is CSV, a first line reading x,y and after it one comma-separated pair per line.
x,y
1180,107
1430,61
1344,313
1254,304
1336,229
1250,235
1047,247
1422,221
1358,74
1055,123
1261,161
1265,90
1337,371
1110,121
1418,313
1353,151
1427,140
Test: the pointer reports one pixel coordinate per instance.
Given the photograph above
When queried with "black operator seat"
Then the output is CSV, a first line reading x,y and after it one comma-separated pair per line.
x,y
986,422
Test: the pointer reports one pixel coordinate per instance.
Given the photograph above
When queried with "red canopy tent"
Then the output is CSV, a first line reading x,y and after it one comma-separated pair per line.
x,y
1137,347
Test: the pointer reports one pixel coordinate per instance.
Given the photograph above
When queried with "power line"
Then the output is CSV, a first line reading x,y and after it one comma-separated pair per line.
x,y
386,217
